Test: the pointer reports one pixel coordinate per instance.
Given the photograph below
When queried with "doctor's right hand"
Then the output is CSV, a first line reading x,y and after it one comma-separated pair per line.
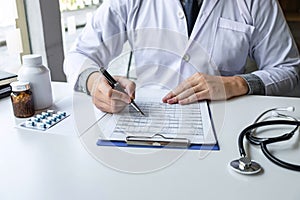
x,y
105,97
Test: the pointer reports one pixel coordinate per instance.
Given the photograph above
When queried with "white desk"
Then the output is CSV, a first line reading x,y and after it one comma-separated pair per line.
x,y
57,165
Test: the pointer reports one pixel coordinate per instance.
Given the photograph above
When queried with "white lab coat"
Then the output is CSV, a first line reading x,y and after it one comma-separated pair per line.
x,y
225,34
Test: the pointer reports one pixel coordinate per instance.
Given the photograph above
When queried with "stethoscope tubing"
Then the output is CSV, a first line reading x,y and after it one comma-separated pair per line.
x,y
277,161
247,131
244,164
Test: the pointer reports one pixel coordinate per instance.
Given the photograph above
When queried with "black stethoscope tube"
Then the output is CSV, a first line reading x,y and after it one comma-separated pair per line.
x,y
277,161
247,132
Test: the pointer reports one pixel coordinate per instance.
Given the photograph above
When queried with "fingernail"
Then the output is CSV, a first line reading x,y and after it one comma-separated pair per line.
x,y
171,101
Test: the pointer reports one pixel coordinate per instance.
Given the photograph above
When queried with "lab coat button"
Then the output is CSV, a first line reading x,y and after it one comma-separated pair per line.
x,y
180,14
186,57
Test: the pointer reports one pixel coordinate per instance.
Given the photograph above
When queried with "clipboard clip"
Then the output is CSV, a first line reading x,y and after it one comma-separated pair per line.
x,y
158,140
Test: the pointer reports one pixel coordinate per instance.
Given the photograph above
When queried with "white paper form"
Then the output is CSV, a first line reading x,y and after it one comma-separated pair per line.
x,y
190,121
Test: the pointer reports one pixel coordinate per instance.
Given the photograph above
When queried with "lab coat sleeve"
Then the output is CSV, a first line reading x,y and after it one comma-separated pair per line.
x,y
273,48
101,40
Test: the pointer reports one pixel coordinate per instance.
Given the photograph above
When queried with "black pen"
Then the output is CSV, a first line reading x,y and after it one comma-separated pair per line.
x,y
115,85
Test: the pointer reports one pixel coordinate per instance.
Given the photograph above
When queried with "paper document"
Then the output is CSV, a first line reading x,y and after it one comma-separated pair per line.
x,y
191,122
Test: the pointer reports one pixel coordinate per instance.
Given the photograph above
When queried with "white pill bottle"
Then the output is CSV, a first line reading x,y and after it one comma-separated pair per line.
x,y
38,75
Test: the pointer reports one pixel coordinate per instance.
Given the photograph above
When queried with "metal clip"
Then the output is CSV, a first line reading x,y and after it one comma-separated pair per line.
x,y
158,140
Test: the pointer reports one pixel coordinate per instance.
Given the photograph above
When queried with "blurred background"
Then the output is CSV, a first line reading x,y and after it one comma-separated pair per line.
x,y
50,28
14,41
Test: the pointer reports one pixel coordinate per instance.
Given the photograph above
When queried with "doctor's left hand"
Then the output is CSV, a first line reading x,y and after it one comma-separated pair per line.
x,y
206,87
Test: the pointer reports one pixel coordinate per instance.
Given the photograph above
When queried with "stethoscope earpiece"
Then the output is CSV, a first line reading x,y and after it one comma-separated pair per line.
x,y
245,165
289,109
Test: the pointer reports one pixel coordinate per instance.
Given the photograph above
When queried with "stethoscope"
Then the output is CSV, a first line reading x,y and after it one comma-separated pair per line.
x,y
245,165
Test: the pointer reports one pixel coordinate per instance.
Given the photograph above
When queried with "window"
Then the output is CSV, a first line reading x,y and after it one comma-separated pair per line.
x,y
11,44
74,14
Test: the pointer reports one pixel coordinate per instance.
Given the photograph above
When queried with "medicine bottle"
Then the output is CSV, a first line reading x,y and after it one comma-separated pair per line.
x,y
38,75
22,99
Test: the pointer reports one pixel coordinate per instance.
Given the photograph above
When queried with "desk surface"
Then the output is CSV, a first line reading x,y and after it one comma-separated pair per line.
x,y
61,164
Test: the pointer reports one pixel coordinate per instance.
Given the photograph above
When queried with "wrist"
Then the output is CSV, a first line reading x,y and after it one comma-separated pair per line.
x,y
93,77
235,86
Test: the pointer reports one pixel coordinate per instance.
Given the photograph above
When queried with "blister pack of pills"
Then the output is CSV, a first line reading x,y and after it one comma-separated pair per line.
x,y
44,120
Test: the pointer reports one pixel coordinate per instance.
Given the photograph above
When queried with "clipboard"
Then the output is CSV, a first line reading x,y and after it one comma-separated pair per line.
x,y
161,130
159,141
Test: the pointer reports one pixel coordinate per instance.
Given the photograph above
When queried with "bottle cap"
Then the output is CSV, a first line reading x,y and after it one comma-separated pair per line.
x,y
32,60
19,86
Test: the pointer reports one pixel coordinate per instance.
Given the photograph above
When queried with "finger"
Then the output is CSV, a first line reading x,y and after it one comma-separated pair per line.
x,y
191,91
168,96
112,106
128,85
110,93
183,95
121,96
171,97
189,83
203,95
117,106
109,100
108,103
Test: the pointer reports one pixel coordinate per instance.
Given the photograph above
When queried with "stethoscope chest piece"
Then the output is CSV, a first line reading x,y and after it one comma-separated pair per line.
x,y
245,165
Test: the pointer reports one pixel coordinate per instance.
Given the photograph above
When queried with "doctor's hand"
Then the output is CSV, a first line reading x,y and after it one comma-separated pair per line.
x,y
105,97
206,87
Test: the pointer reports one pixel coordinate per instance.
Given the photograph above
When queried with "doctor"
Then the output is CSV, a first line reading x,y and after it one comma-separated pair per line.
x,y
205,60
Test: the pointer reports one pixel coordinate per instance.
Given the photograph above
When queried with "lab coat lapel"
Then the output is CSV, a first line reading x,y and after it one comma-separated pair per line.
x,y
193,46
206,10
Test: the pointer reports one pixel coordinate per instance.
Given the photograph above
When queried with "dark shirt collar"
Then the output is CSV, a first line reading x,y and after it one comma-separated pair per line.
x,y
183,2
